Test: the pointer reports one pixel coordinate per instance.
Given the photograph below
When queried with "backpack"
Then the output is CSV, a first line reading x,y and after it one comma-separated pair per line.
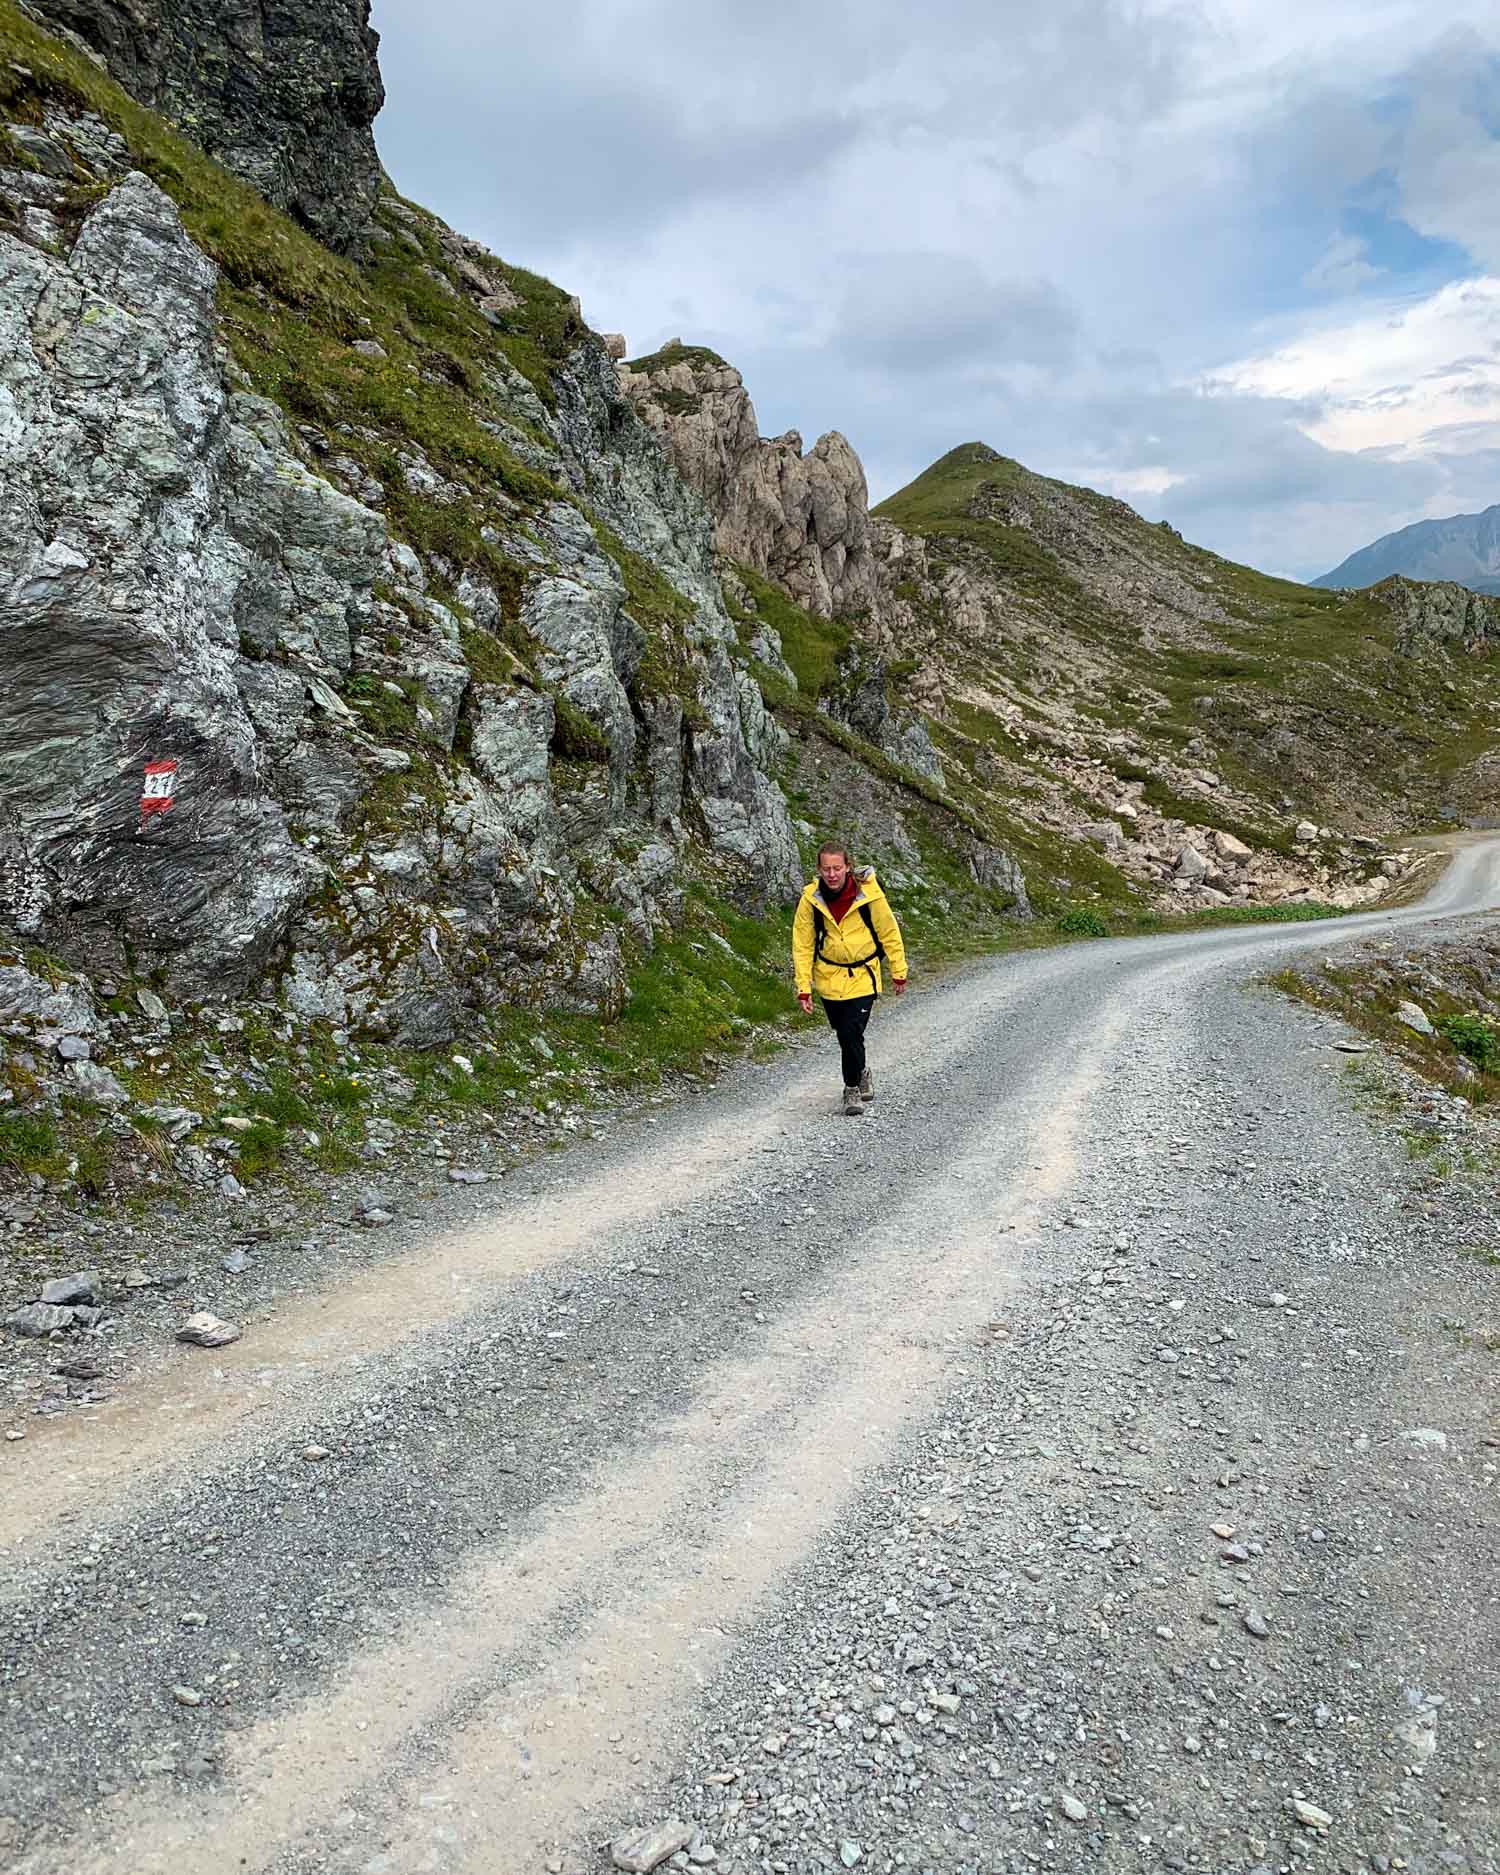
x,y
820,931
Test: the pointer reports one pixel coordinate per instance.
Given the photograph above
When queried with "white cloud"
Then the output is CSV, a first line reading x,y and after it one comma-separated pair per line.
x,y
1403,379
1045,227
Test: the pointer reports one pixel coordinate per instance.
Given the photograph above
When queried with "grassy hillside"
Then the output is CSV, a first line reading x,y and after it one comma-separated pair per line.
x,y
1297,694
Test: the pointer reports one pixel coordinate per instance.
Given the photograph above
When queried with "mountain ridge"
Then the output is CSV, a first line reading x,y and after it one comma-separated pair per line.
x,y
1462,548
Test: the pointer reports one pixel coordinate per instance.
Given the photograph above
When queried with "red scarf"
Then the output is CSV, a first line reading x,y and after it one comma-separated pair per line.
x,y
839,904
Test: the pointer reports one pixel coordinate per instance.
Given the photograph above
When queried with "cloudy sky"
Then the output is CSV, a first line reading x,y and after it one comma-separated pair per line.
x,y
1235,260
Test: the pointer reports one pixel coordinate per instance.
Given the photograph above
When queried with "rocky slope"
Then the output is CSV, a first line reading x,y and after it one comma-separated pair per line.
x,y
1074,671
366,796
1461,547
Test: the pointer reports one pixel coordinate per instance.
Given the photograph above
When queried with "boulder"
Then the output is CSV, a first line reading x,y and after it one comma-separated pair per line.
x,y
1191,866
97,1084
1229,848
67,1289
998,871
39,1319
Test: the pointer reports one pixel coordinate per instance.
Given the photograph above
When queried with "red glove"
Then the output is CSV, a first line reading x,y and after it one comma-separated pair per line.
x,y
804,997
898,986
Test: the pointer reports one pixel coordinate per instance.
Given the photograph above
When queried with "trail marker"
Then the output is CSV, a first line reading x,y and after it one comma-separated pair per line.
x,y
158,788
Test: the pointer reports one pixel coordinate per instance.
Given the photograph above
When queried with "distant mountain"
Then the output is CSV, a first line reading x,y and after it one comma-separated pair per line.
x,y
1464,547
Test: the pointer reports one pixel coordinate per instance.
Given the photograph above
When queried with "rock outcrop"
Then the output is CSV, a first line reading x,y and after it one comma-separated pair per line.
x,y
282,93
1430,613
800,519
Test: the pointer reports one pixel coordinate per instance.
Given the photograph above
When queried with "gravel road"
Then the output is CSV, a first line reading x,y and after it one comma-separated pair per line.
x,y
1084,1461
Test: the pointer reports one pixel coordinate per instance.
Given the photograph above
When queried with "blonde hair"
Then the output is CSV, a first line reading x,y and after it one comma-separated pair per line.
x,y
833,846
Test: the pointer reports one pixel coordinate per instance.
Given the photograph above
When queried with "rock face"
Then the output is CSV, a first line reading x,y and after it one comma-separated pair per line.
x,y
283,92
801,520
147,518
1439,613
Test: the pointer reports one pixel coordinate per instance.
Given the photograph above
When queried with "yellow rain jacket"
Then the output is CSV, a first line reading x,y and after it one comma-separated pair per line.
x,y
844,944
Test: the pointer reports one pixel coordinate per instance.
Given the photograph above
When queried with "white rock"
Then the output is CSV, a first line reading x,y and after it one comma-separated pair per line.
x,y
1414,1017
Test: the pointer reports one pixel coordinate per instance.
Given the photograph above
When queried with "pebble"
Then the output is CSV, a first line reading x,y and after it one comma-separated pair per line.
x,y
187,1695
1256,1624
1308,1814
1072,1806
314,1453
850,1853
457,1175
235,1263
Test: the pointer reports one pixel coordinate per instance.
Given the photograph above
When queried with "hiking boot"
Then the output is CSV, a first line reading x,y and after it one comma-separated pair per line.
x,y
866,1086
853,1105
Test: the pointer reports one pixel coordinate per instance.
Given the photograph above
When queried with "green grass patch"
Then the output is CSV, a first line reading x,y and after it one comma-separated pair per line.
x,y
694,356
810,645
28,1142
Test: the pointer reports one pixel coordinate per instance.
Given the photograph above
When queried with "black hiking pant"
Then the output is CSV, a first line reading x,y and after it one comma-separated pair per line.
x,y
847,1017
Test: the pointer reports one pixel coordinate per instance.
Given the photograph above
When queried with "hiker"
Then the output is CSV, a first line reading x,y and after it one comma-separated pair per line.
x,y
842,930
